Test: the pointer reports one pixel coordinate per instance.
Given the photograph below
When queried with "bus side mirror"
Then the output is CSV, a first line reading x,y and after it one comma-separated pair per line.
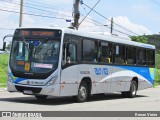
x,y
4,43
4,46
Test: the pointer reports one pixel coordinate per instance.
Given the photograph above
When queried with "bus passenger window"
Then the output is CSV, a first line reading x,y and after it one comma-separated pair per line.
x,y
130,55
69,54
72,53
141,56
119,54
105,52
90,51
150,58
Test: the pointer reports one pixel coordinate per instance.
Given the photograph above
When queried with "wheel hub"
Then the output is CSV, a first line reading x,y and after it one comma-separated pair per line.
x,y
82,93
133,89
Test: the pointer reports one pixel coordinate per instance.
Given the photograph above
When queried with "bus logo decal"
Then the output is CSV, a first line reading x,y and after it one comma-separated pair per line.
x,y
101,71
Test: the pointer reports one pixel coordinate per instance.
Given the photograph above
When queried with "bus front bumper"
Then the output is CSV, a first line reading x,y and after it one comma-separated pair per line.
x,y
34,90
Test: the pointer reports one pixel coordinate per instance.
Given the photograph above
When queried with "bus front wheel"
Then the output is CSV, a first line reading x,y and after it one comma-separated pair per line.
x,y
82,92
41,97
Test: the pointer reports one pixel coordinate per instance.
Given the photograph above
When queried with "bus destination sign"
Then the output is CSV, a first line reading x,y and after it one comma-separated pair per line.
x,y
37,33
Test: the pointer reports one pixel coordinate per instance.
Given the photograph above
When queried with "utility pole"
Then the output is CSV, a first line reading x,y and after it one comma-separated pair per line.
x,y
111,25
21,14
76,14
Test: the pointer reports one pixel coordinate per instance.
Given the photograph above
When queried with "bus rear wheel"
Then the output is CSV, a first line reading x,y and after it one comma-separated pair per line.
x,y
82,92
41,97
133,90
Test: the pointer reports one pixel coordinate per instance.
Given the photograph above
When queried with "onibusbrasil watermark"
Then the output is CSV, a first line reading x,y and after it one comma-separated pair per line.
x,y
37,114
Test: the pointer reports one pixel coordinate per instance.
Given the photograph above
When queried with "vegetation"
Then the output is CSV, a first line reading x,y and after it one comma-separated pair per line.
x,y
3,69
157,77
141,39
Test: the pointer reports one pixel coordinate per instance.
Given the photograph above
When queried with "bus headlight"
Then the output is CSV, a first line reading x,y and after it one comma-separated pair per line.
x,y
10,78
52,80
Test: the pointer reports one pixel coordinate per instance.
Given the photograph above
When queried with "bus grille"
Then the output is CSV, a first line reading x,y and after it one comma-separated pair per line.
x,y
33,89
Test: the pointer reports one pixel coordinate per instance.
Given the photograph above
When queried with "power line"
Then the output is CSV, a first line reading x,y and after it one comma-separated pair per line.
x,y
36,8
93,26
48,11
43,5
110,20
89,12
32,14
9,8
6,29
38,15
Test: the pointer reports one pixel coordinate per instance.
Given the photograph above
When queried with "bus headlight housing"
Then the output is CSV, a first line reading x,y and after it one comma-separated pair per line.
x,y
10,78
52,80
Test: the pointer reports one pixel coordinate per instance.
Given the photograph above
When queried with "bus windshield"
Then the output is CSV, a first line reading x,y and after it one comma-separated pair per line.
x,y
35,56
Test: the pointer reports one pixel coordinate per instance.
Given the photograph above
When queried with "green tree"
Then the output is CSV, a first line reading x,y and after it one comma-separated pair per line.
x,y
141,39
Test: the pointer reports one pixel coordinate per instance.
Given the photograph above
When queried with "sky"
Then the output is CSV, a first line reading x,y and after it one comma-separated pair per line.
x,y
138,16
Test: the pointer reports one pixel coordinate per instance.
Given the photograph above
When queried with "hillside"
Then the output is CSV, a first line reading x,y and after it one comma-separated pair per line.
x,y
154,40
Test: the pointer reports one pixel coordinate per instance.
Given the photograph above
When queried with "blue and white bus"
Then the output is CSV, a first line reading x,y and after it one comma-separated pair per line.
x,y
64,62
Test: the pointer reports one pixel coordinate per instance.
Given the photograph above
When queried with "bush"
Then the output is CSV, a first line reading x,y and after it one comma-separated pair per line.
x,y
3,69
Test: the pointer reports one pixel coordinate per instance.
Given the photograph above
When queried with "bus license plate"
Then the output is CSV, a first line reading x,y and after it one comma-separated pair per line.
x,y
29,92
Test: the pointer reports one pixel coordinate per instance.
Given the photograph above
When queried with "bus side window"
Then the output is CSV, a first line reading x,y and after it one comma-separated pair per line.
x,y
105,52
90,51
119,54
150,58
72,53
130,55
141,56
69,54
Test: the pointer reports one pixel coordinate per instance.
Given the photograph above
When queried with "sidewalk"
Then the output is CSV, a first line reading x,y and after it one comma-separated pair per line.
x,y
3,89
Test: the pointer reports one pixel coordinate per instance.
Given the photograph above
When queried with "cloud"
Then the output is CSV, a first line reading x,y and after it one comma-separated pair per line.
x,y
126,23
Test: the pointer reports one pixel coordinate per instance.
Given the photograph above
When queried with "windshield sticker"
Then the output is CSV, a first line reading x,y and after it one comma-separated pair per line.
x,y
41,65
36,43
27,66
20,62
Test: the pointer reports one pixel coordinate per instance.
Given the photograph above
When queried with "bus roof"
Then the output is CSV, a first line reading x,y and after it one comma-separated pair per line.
x,y
105,37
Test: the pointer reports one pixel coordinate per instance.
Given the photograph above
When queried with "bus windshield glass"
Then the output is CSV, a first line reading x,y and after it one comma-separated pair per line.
x,y
35,51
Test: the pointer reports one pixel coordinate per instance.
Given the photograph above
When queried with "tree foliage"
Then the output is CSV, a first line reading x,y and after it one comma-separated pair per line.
x,y
141,39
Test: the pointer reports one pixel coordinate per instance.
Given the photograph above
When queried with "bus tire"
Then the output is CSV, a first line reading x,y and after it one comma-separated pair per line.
x,y
132,92
41,97
124,94
82,92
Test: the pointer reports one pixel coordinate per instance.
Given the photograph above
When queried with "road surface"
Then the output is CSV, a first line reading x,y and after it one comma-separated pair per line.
x,y
146,100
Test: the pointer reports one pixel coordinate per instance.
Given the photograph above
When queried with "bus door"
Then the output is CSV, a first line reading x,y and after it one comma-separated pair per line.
x,y
69,73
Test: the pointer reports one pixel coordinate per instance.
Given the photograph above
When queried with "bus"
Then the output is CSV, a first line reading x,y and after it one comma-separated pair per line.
x,y
65,62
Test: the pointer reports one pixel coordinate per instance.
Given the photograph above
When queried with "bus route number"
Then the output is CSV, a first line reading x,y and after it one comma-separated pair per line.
x,y
101,71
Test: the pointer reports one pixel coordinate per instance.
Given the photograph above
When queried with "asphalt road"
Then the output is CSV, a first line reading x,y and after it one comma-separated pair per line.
x,y
146,100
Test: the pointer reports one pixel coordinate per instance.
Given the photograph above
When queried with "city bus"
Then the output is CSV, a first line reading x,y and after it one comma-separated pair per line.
x,y
65,62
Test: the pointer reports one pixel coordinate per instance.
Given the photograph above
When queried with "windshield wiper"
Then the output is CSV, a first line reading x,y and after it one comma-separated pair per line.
x,y
25,43
40,45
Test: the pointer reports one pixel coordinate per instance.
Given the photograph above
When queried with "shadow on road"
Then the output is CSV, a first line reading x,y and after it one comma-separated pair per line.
x,y
63,100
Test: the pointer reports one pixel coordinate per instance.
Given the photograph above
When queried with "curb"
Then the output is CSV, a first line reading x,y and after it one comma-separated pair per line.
x,y
3,89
